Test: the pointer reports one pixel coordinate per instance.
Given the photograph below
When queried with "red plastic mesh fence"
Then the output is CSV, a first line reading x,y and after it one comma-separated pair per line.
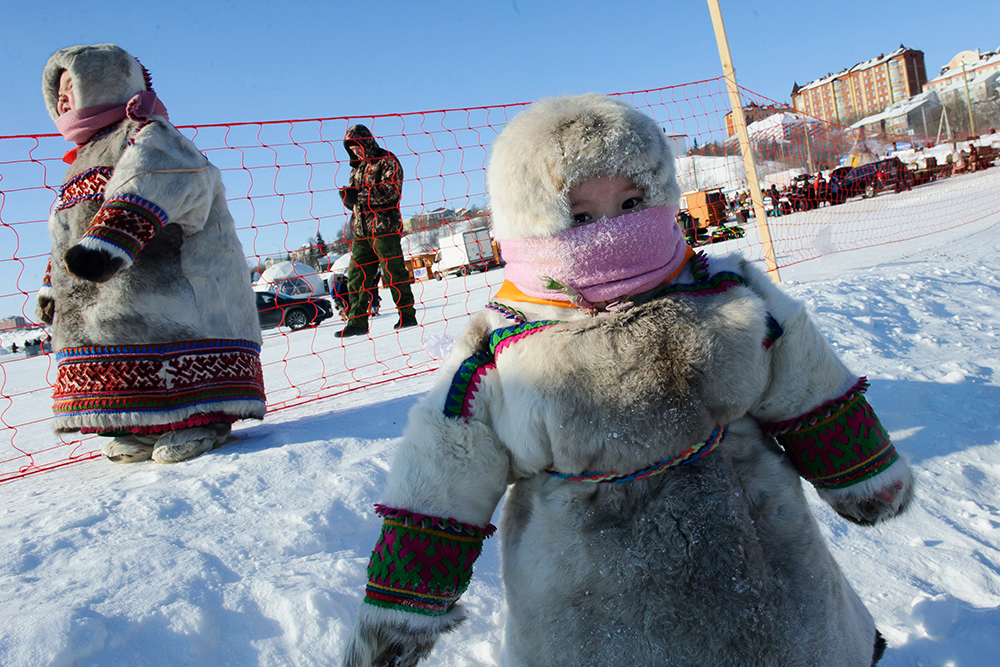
x,y
282,180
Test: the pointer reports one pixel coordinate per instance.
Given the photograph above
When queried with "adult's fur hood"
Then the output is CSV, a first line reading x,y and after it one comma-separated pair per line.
x,y
102,74
361,135
558,143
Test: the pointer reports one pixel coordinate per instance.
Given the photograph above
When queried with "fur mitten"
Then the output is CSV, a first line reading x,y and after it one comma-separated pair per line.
x,y
46,309
875,500
94,265
376,642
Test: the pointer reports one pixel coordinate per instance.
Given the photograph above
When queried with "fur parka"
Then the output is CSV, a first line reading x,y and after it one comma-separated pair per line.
x,y
716,562
651,456
171,337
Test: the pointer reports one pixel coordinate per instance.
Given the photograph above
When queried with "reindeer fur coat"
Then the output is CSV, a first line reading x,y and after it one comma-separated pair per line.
x,y
148,293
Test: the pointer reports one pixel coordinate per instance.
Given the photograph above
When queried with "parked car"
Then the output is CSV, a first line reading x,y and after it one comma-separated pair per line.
x,y
275,310
870,179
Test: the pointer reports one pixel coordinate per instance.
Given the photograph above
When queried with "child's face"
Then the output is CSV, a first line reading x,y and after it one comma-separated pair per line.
x,y
604,197
66,101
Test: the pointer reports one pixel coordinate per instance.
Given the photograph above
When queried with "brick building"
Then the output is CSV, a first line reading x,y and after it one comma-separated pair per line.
x,y
753,112
866,88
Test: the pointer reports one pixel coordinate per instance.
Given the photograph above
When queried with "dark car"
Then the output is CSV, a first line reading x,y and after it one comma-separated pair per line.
x,y
870,179
275,310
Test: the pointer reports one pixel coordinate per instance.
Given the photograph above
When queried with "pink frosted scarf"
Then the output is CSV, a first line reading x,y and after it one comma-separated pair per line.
x,y
601,261
80,125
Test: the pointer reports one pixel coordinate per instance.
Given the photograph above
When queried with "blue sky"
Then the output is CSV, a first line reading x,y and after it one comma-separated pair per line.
x,y
215,62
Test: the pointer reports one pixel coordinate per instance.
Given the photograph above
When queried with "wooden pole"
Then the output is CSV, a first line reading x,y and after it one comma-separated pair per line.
x,y
740,123
968,101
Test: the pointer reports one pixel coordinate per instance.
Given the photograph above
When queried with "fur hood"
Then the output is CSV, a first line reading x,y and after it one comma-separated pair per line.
x,y
361,135
558,143
102,74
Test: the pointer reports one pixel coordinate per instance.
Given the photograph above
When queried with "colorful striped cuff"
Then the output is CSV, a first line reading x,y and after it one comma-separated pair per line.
x,y
422,564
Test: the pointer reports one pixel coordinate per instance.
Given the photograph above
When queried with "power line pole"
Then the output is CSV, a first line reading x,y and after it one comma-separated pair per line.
x,y
968,100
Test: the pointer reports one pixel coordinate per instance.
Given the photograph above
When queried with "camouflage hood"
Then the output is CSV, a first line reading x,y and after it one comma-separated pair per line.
x,y
359,135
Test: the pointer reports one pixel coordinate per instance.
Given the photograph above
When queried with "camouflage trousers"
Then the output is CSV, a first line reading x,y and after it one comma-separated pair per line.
x,y
368,255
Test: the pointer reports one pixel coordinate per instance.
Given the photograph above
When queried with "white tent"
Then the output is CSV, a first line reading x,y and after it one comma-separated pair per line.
x,y
340,266
291,278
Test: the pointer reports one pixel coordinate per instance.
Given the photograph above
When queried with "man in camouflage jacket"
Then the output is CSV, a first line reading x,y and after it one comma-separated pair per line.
x,y
372,195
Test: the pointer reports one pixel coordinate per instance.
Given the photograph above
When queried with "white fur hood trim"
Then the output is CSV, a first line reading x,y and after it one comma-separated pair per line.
x,y
102,74
558,143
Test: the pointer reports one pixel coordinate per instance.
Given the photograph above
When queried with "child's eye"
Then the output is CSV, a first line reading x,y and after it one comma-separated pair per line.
x,y
582,218
631,203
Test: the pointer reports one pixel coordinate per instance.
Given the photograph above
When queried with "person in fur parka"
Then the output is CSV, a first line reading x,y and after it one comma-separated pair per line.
x,y
649,412
147,293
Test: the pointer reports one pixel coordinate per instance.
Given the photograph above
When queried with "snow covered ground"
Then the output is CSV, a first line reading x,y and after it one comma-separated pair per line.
x,y
255,553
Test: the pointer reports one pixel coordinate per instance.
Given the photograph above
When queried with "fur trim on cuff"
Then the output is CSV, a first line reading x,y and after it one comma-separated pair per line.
x,y
419,622
558,143
875,499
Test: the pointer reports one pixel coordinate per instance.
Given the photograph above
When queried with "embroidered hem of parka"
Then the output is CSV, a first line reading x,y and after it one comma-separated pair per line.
x,y
133,387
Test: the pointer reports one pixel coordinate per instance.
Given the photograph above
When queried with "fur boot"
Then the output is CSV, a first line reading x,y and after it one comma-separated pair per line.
x,y
188,443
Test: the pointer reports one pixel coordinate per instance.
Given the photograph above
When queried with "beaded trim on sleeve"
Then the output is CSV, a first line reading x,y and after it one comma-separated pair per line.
x,y
838,444
421,563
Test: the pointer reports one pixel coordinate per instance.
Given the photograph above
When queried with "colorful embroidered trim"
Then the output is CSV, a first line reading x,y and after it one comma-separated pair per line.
x,y
105,132
458,402
685,457
468,377
508,312
47,278
202,419
135,133
127,223
157,379
705,284
774,332
501,338
422,563
840,443
88,185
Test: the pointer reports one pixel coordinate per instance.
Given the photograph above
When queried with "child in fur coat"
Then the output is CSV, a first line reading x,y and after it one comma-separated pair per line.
x,y
151,311
648,412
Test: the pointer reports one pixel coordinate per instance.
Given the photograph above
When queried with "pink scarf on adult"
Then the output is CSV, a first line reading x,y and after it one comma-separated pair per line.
x,y
80,125
601,261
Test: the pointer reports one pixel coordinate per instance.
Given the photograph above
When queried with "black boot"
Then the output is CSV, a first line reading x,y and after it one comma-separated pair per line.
x,y
406,321
353,330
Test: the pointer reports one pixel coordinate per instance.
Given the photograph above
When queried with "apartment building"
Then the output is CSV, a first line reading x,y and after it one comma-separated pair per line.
x,y
973,71
864,89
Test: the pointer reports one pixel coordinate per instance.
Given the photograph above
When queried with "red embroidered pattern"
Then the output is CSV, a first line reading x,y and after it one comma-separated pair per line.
x,y
195,420
127,222
157,380
88,185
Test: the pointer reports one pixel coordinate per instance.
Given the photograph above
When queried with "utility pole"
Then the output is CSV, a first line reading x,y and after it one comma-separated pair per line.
x,y
968,101
740,123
